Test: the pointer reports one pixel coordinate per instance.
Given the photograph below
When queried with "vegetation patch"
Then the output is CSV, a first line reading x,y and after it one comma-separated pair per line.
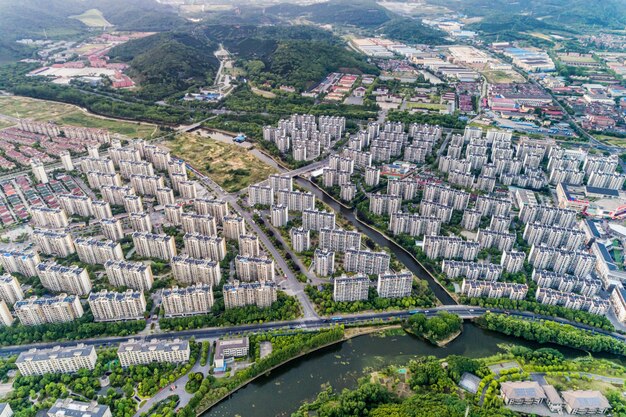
x,y
229,165
92,18
438,330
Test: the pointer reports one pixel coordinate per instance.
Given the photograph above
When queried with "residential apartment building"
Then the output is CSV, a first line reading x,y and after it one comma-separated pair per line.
x,y
23,262
112,229
339,240
97,180
62,308
80,205
300,239
205,247
366,262
116,306
10,289
280,215
151,245
414,224
382,204
147,184
51,242
234,226
140,352
513,261
450,247
317,219
57,360
611,181
254,269
559,237
249,245
593,305
59,278
140,222
260,194
353,288
395,285
587,286
552,216
372,176
133,203
561,261
165,196
102,210
448,196
92,251
238,294
432,209
174,214
53,218
189,301
114,194
324,261
296,200
471,270
216,208
493,289
493,206
491,239
281,182
135,275
196,271
6,318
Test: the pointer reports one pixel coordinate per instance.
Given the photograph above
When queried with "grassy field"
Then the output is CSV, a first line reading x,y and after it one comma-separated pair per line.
x,y
429,106
573,383
4,123
42,110
92,18
229,165
612,140
502,77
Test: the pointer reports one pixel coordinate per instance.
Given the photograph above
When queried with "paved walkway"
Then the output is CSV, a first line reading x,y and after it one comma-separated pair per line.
x,y
180,383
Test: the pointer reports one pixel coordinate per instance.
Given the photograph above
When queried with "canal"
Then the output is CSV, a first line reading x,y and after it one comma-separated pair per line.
x,y
381,240
281,392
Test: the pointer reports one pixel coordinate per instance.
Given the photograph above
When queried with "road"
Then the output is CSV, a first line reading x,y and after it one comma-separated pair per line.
x,y
465,312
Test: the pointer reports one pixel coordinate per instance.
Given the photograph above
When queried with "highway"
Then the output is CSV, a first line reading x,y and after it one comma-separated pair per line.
x,y
465,312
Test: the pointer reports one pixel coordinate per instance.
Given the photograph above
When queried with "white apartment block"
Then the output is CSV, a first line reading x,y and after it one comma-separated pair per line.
x,y
54,218
471,270
205,247
324,262
260,194
128,168
58,309
500,223
189,301
414,224
492,206
561,261
216,208
238,294
58,360
406,188
593,305
196,271
249,246
174,214
448,196
347,191
471,219
493,289
554,236
254,269
126,153
140,222
51,242
140,352
112,228
165,196
151,245
611,181
339,240
80,205
102,210
133,203
135,275
10,289
587,286
316,219
97,180
552,216
618,303
281,182
147,184
114,194
300,239
432,209
233,227
66,160
491,239
382,204
6,318
101,165
513,261
395,285
450,247
59,278
280,215
372,176
353,288
366,262
117,306
92,251
296,200
22,262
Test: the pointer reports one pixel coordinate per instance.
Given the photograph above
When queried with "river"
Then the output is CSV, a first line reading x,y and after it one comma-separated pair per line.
x,y
407,260
282,392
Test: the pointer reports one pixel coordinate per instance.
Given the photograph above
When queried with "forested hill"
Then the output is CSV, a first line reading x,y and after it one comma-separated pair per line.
x,y
360,13
569,14
168,63
298,56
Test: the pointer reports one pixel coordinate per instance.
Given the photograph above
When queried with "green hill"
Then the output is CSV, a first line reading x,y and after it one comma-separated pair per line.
x,y
412,31
168,63
360,13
